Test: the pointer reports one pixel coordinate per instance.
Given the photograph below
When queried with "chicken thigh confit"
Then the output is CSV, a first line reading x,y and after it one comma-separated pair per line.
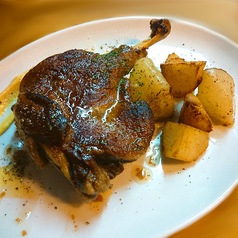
x,y
74,110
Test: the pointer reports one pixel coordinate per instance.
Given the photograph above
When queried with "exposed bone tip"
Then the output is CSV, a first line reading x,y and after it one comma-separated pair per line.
x,y
160,29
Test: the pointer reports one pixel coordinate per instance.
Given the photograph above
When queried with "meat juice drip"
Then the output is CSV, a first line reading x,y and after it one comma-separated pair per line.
x,y
99,198
153,155
102,198
12,182
18,220
74,222
141,174
153,158
2,194
24,233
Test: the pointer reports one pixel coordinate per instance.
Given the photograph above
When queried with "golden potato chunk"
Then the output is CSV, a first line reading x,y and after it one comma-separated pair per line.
x,y
173,58
216,93
147,83
194,114
183,142
182,76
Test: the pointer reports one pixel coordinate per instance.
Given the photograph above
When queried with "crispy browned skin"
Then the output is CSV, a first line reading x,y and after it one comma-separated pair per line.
x,y
75,105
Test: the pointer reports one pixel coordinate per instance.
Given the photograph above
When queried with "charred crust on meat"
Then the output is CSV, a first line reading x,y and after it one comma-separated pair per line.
x,y
41,117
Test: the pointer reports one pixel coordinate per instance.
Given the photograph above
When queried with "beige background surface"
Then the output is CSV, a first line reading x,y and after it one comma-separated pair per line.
x,y
23,21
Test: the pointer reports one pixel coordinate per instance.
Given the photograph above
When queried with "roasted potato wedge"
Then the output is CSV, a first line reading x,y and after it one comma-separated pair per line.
x,y
173,58
194,114
216,93
182,76
147,83
183,142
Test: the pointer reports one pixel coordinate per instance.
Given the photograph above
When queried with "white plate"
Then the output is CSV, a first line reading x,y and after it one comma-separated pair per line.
x,y
178,194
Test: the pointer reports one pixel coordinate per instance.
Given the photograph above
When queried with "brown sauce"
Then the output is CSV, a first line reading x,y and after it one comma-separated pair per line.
x,y
18,220
141,174
2,194
12,180
99,198
24,233
151,161
74,222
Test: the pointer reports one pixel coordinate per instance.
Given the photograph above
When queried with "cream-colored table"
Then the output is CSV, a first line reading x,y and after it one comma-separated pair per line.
x,y
27,20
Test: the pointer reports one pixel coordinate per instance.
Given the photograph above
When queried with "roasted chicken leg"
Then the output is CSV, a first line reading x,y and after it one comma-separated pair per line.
x,y
73,110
